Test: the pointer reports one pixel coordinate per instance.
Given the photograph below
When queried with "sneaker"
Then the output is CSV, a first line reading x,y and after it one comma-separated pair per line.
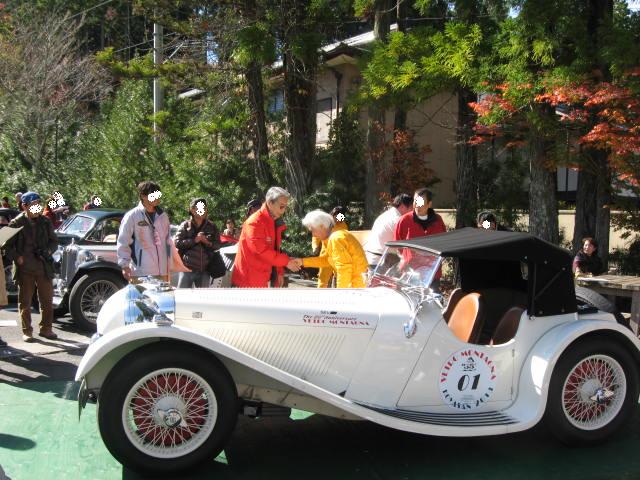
x,y
2,343
48,335
27,338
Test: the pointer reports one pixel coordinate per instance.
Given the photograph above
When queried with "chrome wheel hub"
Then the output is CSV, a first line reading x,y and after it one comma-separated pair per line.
x,y
172,417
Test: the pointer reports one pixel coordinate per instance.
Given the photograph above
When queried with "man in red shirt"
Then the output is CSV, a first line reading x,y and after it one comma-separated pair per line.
x,y
420,222
259,261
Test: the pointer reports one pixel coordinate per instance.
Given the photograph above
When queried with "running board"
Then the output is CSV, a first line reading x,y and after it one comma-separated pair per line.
x,y
484,419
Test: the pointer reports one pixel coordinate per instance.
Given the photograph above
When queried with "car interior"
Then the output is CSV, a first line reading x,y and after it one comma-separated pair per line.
x,y
487,311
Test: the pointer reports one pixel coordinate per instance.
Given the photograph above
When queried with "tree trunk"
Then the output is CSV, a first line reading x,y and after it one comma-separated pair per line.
x,y
255,86
543,204
585,219
400,113
596,209
603,209
376,123
300,101
466,162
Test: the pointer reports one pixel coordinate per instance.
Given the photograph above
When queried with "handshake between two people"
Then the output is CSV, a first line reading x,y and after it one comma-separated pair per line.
x,y
295,264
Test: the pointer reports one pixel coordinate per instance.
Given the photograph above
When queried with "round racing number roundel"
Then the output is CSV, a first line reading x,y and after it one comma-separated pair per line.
x,y
467,379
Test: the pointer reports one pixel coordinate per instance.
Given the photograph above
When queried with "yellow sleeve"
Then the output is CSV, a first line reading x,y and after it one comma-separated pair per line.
x,y
316,262
342,262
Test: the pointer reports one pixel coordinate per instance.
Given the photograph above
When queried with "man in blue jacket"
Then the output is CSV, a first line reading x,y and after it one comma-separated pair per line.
x,y
144,241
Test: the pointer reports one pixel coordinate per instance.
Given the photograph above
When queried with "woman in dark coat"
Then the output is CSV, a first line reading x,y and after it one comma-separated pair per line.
x,y
587,262
197,241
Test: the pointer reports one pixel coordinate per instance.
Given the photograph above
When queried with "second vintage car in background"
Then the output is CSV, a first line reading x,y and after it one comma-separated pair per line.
x,y
87,273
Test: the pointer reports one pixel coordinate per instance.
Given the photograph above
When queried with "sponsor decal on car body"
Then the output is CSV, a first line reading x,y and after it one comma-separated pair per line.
x,y
467,379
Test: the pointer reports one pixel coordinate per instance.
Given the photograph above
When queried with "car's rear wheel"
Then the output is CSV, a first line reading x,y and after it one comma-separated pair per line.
x,y
161,413
593,392
89,294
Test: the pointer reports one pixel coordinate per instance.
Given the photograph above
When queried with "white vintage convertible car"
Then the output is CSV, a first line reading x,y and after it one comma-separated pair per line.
x,y
172,369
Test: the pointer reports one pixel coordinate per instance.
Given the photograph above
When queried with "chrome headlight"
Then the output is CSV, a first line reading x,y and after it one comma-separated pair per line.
x,y
151,312
83,257
57,255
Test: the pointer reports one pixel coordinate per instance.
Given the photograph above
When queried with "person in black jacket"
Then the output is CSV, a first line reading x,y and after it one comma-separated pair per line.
x,y
197,241
587,262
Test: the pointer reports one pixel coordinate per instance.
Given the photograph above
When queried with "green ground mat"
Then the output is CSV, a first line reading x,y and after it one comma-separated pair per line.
x,y
41,438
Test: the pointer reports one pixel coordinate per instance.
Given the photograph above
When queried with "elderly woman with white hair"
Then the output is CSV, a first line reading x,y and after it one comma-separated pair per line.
x,y
343,253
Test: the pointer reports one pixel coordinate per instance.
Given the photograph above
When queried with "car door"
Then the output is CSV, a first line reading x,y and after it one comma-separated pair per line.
x,y
454,376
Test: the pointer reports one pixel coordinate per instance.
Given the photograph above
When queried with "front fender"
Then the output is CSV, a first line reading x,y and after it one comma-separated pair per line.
x,y
98,265
107,350
537,369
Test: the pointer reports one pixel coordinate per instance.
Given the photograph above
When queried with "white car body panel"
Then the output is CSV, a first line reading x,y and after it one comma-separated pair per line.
x,y
293,330
345,353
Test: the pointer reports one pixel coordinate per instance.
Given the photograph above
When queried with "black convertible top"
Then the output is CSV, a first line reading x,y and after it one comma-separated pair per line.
x,y
490,245
494,259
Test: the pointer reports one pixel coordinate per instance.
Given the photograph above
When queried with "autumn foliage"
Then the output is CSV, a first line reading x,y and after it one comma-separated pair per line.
x,y
596,115
401,163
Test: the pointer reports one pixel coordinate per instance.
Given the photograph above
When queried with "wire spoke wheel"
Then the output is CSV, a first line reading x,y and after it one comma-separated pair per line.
x,y
94,297
594,392
169,413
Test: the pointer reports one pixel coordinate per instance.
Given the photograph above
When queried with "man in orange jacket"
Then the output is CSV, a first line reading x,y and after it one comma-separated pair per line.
x,y
259,261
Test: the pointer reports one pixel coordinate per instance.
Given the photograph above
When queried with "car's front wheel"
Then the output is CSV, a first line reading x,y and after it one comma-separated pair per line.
x,y
593,392
161,413
89,294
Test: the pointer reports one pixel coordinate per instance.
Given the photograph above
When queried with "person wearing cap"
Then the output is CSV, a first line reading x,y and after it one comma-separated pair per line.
x,y
420,222
197,241
31,250
384,227
145,246
259,261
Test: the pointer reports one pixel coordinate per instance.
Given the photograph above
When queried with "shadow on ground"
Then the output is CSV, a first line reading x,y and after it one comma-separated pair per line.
x,y
321,447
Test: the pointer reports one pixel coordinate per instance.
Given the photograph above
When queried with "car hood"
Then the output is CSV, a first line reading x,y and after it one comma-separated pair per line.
x,y
348,308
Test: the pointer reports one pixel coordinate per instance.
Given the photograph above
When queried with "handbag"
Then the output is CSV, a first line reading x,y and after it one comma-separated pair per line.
x,y
216,267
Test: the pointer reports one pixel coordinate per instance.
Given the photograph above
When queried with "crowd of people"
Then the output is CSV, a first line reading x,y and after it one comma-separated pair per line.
x,y
145,246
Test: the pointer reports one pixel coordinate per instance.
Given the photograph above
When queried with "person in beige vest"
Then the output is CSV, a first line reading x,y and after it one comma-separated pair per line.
x,y
4,299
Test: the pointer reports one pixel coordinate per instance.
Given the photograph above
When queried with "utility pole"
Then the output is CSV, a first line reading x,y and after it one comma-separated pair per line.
x,y
158,93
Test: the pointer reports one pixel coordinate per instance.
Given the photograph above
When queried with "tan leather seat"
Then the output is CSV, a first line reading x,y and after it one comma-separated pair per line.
x,y
508,326
454,298
467,318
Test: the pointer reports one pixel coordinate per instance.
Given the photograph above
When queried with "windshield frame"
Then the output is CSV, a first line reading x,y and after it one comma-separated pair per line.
x,y
63,228
415,294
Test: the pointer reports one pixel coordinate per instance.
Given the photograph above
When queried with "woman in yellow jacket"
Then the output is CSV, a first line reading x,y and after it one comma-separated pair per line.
x,y
319,247
343,252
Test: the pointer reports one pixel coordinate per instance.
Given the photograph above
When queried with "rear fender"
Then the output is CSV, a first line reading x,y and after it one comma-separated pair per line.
x,y
537,369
